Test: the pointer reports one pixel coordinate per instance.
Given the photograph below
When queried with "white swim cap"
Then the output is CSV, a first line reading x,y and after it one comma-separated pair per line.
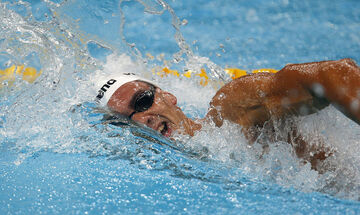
x,y
109,85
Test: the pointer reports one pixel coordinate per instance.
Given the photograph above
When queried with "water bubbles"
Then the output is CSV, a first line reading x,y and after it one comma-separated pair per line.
x,y
251,16
184,22
355,105
52,51
318,89
98,51
57,113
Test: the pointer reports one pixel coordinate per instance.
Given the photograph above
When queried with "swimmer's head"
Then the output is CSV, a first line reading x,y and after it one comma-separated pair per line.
x,y
109,85
142,101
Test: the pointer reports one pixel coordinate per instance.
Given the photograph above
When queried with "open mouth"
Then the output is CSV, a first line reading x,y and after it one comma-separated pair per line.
x,y
164,129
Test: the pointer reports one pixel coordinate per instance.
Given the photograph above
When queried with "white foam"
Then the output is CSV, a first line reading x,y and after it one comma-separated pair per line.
x,y
280,163
43,117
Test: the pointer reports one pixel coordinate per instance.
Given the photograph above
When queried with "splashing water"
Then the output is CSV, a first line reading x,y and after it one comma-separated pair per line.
x,y
57,114
280,164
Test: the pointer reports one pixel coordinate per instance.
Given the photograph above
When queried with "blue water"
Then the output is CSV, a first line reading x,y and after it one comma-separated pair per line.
x,y
57,156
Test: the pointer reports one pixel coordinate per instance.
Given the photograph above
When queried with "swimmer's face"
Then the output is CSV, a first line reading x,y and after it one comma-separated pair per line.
x,y
151,106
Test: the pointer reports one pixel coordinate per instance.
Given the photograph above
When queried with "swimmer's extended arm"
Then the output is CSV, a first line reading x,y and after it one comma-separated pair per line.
x,y
336,82
297,89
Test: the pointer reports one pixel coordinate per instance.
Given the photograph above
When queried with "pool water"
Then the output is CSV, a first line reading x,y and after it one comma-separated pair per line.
x,y
58,155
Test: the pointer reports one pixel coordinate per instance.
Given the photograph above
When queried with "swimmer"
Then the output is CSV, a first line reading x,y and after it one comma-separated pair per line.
x,y
253,101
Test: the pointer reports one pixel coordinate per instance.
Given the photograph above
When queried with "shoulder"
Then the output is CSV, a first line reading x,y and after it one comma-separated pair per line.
x,y
246,91
242,100
247,86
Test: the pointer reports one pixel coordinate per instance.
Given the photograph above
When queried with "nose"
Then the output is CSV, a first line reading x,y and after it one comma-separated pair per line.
x,y
163,105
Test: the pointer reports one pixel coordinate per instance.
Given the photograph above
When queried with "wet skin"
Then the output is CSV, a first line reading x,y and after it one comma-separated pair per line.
x,y
297,89
253,100
163,116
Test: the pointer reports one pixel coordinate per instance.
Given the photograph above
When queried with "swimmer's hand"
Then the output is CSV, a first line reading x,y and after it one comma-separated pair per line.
x,y
337,82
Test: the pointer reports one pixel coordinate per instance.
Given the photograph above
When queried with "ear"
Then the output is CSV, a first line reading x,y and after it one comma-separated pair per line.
x,y
169,97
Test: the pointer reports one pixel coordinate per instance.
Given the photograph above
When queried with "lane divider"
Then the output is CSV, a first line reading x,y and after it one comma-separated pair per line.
x,y
234,73
9,75
30,74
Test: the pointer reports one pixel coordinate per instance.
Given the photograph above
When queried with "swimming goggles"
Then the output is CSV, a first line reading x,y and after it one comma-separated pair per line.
x,y
143,101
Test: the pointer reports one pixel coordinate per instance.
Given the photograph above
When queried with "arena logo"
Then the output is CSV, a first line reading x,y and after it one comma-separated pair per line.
x,y
104,88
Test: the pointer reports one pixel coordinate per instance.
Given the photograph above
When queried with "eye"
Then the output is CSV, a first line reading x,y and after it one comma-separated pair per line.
x,y
144,101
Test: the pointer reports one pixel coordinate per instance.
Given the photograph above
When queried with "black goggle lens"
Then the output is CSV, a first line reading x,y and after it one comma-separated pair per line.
x,y
144,101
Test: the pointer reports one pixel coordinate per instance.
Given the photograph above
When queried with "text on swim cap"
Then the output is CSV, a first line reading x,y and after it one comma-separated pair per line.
x,y
129,73
104,88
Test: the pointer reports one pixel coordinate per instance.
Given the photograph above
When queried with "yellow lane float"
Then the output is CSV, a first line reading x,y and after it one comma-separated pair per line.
x,y
30,74
9,75
234,73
